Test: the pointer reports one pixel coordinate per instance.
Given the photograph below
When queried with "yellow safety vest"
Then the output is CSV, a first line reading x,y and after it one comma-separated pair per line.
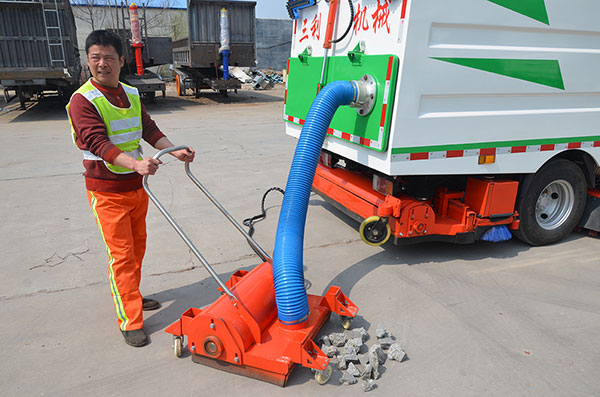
x,y
124,125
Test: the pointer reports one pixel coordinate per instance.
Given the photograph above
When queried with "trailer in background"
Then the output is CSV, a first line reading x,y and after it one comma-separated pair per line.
x,y
156,51
197,61
38,49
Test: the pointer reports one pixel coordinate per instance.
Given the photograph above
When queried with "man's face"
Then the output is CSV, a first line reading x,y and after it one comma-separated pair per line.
x,y
105,64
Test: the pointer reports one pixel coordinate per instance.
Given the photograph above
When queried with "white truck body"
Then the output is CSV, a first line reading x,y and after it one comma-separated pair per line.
x,y
515,79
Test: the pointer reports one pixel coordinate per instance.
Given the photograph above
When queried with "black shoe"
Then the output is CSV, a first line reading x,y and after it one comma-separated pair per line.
x,y
135,338
150,304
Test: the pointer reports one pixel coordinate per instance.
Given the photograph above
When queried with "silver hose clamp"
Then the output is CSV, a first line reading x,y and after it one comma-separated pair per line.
x,y
366,89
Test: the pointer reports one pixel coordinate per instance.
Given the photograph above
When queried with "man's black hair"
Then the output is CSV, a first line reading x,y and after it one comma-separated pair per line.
x,y
104,38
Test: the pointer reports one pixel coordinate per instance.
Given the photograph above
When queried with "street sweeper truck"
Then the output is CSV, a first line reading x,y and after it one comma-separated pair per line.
x,y
479,117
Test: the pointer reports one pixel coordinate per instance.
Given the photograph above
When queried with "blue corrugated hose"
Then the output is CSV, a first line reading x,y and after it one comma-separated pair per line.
x,y
288,272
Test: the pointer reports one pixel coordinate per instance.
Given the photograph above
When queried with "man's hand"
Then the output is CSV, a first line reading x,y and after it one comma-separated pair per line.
x,y
147,166
184,154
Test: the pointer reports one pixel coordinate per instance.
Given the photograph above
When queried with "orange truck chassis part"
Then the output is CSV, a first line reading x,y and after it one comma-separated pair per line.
x,y
484,203
244,336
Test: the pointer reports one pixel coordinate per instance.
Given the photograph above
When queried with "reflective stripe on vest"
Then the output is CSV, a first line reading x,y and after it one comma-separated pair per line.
x,y
123,125
135,154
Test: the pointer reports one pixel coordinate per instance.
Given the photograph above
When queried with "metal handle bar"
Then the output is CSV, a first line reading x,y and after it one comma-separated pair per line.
x,y
262,253
182,234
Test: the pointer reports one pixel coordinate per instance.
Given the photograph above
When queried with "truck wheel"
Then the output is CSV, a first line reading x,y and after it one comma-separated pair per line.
x,y
551,203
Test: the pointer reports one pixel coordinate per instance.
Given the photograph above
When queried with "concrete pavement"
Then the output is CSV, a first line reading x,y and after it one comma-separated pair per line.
x,y
481,319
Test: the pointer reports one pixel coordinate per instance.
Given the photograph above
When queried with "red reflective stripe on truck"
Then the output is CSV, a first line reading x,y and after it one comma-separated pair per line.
x,y
346,136
546,148
389,70
493,151
419,156
383,109
403,13
365,141
455,153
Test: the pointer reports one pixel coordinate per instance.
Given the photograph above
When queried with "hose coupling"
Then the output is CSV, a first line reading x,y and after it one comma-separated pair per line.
x,y
365,91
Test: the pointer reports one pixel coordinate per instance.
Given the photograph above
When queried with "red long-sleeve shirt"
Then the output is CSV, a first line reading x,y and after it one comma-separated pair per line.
x,y
91,135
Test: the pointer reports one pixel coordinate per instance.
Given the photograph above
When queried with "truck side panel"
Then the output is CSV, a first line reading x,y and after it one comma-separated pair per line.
x,y
485,77
481,78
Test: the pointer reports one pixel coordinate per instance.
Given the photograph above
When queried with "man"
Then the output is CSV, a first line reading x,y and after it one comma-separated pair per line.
x,y
107,121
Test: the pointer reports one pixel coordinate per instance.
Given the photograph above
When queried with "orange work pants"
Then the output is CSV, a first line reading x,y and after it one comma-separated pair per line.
x,y
121,218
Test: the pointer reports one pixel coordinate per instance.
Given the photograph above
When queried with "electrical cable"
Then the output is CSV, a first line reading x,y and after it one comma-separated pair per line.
x,y
349,25
249,222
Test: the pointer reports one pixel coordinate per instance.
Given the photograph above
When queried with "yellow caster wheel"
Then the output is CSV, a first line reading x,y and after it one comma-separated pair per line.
x,y
177,346
346,322
375,230
323,377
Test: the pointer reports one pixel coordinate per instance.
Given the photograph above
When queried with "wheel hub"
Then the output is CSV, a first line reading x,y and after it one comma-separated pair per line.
x,y
554,204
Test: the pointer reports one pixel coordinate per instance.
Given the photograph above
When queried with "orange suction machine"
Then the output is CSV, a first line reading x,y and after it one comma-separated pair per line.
x,y
241,332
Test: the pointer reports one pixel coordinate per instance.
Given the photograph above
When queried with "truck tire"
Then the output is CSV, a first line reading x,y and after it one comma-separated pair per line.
x,y
551,203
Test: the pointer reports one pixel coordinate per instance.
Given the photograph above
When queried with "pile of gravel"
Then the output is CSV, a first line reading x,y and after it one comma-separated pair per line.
x,y
357,360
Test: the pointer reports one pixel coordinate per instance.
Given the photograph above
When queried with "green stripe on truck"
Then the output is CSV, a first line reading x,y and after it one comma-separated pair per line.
x,y
540,71
535,9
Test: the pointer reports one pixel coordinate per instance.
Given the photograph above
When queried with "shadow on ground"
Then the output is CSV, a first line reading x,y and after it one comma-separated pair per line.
x,y
47,108
421,253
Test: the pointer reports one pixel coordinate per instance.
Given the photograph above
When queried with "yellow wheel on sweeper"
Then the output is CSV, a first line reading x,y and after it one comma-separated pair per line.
x,y
323,377
177,346
346,321
375,230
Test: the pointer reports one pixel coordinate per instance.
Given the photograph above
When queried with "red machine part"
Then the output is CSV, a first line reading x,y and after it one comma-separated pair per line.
x,y
244,336
485,203
491,197
136,38
331,17
594,192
